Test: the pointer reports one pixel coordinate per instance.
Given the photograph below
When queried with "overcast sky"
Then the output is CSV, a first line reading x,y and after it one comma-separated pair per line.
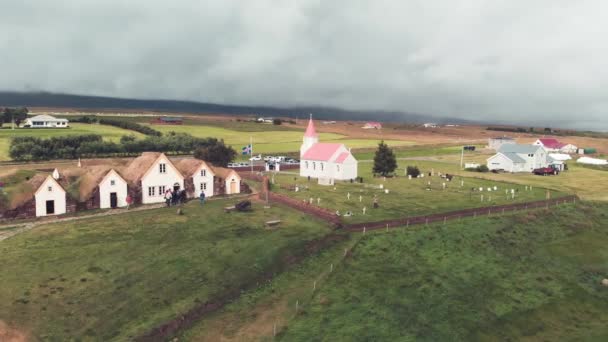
x,y
493,60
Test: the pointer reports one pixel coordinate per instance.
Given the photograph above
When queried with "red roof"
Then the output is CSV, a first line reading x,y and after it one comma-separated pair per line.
x,y
342,157
321,151
310,130
551,143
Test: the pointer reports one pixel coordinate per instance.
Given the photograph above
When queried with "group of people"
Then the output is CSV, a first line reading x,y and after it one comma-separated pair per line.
x,y
175,197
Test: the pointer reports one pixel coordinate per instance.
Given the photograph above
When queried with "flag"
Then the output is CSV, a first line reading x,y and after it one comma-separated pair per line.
x,y
246,150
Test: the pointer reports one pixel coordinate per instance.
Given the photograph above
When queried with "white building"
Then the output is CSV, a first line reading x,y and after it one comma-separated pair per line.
x,y
155,174
229,178
497,142
201,174
50,198
518,158
113,191
569,148
45,121
325,160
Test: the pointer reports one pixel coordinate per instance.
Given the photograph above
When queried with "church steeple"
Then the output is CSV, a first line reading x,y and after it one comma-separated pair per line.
x,y
310,137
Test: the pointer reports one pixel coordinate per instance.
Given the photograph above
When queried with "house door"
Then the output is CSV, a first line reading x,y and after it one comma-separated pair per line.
x,y
113,200
233,187
50,207
175,187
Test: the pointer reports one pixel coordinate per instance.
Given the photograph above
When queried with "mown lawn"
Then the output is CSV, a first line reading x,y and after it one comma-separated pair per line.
x,y
115,277
406,198
531,276
110,133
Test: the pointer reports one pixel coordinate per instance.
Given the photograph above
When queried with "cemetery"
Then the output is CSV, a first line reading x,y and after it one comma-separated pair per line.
x,y
381,198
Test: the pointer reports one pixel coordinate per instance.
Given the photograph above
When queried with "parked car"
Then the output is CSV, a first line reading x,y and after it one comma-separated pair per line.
x,y
268,158
545,171
232,164
256,158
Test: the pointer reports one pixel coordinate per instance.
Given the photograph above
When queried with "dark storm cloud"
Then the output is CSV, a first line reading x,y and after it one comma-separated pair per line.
x,y
509,60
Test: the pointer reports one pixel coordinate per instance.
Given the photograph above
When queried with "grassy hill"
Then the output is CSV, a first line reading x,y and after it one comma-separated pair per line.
x,y
116,277
530,276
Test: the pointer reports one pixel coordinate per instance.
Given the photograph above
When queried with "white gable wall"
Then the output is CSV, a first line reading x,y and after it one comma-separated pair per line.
x,y
154,181
50,191
203,177
233,184
500,162
324,169
112,183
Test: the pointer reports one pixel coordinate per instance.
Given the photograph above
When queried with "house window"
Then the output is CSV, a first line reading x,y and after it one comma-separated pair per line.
x,y
307,165
321,166
203,186
203,173
50,188
112,182
161,190
162,168
530,155
151,191
314,165
338,168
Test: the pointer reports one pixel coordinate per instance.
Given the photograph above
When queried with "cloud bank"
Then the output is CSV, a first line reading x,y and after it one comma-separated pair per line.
x,y
517,61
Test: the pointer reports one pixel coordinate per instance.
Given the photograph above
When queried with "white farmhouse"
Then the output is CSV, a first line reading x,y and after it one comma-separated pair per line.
x,y
327,161
518,158
199,176
50,198
45,121
154,174
113,191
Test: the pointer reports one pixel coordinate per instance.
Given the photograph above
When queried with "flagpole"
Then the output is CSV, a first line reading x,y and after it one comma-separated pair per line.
x,y
251,152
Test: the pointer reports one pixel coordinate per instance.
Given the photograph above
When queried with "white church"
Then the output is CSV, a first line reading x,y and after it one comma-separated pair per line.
x,y
325,161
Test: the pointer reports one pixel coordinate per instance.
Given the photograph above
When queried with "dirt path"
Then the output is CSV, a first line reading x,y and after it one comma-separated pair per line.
x,y
9,334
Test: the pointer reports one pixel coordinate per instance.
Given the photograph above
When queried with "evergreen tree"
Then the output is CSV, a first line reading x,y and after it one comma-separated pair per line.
x,y
385,162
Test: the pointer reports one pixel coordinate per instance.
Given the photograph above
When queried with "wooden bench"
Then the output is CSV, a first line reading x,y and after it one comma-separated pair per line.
x,y
229,209
272,223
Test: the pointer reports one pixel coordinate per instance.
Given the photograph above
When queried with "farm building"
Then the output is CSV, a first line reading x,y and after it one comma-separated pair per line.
x,y
372,125
50,198
154,174
167,120
200,177
45,121
325,161
554,145
518,158
113,190
497,142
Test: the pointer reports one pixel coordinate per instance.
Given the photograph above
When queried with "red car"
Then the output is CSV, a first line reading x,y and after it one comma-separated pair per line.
x,y
545,171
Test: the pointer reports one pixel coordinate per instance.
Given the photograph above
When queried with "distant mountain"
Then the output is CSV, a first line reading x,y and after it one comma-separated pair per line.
x,y
83,102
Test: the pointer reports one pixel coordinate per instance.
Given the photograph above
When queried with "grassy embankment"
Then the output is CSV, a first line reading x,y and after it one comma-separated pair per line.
x,y
115,277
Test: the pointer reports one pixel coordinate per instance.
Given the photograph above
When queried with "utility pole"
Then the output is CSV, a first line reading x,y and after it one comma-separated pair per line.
x,y
462,158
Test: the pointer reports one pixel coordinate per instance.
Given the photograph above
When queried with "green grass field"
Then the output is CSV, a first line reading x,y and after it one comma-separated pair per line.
x,y
271,141
532,276
115,277
110,133
406,197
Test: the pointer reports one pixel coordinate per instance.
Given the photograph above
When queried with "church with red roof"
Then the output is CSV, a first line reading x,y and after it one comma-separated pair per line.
x,y
327,161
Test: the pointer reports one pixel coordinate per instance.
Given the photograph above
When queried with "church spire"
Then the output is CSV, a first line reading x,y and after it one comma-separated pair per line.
x,y
310,130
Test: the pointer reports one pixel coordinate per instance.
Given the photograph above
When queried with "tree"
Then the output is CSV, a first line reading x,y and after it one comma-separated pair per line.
x,y
413,171
218,154
385,162
277,121
16,114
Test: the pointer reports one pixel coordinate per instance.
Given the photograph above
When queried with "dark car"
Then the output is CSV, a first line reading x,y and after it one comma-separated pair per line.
x,y
545,171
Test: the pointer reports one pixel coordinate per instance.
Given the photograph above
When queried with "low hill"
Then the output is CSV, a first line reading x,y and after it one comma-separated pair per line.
x,y
83,102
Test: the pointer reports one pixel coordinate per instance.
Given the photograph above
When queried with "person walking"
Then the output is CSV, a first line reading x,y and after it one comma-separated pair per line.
x,y
202,197
168,197
129,200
